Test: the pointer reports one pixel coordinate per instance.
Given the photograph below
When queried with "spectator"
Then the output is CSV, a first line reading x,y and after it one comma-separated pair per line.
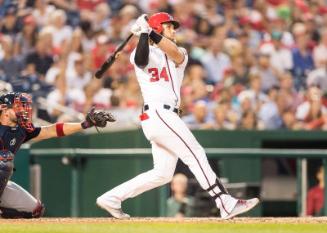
x,y
240,71
77,78
126,17
203,27
100,50
194,86
215,61
301,55
248,121
41,59
129,92
102,98
75,47
245,105
291,99
194,71
226,37
10,25
88,38
180,205
281,58
312,30
252,37
320,51
315,198
42,12
10,66
26,39
254,93
199,118
318,77
312,113
101,18
225,117
87,8
289,121
264,70
126,117
183,13
247,52
61,33
199,90
70,7
269,113
58,95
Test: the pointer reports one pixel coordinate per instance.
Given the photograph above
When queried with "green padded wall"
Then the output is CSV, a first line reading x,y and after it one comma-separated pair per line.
x,y
98,174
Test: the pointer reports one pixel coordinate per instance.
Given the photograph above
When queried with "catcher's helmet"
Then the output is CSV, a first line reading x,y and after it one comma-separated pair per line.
x,y
8,99
156,21
21,103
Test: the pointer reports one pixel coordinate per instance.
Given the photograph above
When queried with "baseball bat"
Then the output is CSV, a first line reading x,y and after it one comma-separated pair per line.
x,y
106,65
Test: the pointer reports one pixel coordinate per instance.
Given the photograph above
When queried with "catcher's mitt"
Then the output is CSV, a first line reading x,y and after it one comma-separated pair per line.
x,y
97,119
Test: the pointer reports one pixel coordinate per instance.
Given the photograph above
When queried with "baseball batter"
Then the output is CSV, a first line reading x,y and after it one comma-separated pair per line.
x,y
16,128
159,66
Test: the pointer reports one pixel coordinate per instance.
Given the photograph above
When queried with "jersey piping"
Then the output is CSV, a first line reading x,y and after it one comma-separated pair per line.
x,y
172,82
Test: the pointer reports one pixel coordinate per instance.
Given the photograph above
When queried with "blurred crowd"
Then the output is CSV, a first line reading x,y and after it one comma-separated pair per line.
x,y
253,64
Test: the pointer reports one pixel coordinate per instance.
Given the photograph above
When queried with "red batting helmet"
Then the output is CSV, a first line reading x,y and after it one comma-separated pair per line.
x,y
156,21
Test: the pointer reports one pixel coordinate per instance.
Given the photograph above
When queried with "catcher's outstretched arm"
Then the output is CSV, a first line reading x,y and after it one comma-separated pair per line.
x,y
93,118
58,130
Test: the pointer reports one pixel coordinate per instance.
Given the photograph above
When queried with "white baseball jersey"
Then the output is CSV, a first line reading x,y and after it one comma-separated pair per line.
x,y
160,81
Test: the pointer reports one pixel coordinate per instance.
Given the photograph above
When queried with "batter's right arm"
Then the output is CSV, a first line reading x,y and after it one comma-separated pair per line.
x,y
141,58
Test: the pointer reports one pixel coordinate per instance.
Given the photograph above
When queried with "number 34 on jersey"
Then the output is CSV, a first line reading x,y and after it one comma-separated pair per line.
x,y
157,74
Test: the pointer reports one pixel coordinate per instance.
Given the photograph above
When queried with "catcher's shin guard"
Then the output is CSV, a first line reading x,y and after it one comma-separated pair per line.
x,y
38,212
6,170
13,213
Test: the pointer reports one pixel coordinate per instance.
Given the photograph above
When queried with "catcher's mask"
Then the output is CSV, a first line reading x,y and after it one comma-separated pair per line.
x,y
21,103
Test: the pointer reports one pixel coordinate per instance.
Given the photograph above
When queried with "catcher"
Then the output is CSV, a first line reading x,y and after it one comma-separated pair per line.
x,y
16,127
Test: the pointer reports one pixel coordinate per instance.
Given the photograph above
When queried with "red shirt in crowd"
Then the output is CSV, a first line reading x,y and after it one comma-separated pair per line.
x,y
88,4
315,200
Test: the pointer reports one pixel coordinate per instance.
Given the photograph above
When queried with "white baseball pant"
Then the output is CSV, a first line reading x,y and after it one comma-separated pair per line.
x,y
15,197
170,139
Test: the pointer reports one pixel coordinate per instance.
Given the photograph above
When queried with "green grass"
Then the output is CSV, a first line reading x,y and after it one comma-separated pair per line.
x,y
137,227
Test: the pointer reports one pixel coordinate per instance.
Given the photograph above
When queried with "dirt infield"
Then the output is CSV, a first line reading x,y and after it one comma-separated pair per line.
x,y
295,220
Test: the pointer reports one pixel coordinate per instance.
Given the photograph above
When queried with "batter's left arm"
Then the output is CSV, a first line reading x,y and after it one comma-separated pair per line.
x,y
172,51
168,47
